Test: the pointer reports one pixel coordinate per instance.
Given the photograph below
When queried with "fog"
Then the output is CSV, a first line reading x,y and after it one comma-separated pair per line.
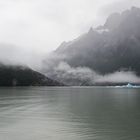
x,y
39,26
32,29
108,53
14,55
63,72
120,76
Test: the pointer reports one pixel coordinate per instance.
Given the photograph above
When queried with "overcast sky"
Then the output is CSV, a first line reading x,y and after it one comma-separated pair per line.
x,y
41,25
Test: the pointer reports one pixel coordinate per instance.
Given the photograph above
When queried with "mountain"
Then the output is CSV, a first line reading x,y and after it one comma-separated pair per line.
x,y
23,76
111,47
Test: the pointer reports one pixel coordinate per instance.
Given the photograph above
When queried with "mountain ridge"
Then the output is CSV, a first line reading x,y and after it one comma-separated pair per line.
x,y
106,49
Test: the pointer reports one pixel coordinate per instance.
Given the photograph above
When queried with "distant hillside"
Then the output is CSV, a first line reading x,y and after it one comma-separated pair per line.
x,y
23,76
111,47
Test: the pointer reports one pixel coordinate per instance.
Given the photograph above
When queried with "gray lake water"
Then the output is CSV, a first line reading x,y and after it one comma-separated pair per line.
x,y
87,113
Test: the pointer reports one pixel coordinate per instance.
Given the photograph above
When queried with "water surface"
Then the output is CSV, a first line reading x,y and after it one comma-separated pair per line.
x,y
54,113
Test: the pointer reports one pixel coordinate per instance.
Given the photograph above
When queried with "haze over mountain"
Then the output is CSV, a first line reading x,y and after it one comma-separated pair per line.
x,y
23,76
112,47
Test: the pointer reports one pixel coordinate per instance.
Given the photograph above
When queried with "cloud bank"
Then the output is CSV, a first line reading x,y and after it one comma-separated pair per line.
x,y
69,75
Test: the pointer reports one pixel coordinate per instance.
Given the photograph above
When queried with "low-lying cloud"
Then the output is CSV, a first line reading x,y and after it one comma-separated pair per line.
x,y
63,72
85,60
14,55
120,77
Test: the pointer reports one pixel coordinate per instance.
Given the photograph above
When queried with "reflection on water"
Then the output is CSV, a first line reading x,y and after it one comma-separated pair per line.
x,y
45,113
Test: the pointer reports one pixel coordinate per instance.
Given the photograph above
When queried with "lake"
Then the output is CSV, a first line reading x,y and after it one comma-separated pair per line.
x,y
69,113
